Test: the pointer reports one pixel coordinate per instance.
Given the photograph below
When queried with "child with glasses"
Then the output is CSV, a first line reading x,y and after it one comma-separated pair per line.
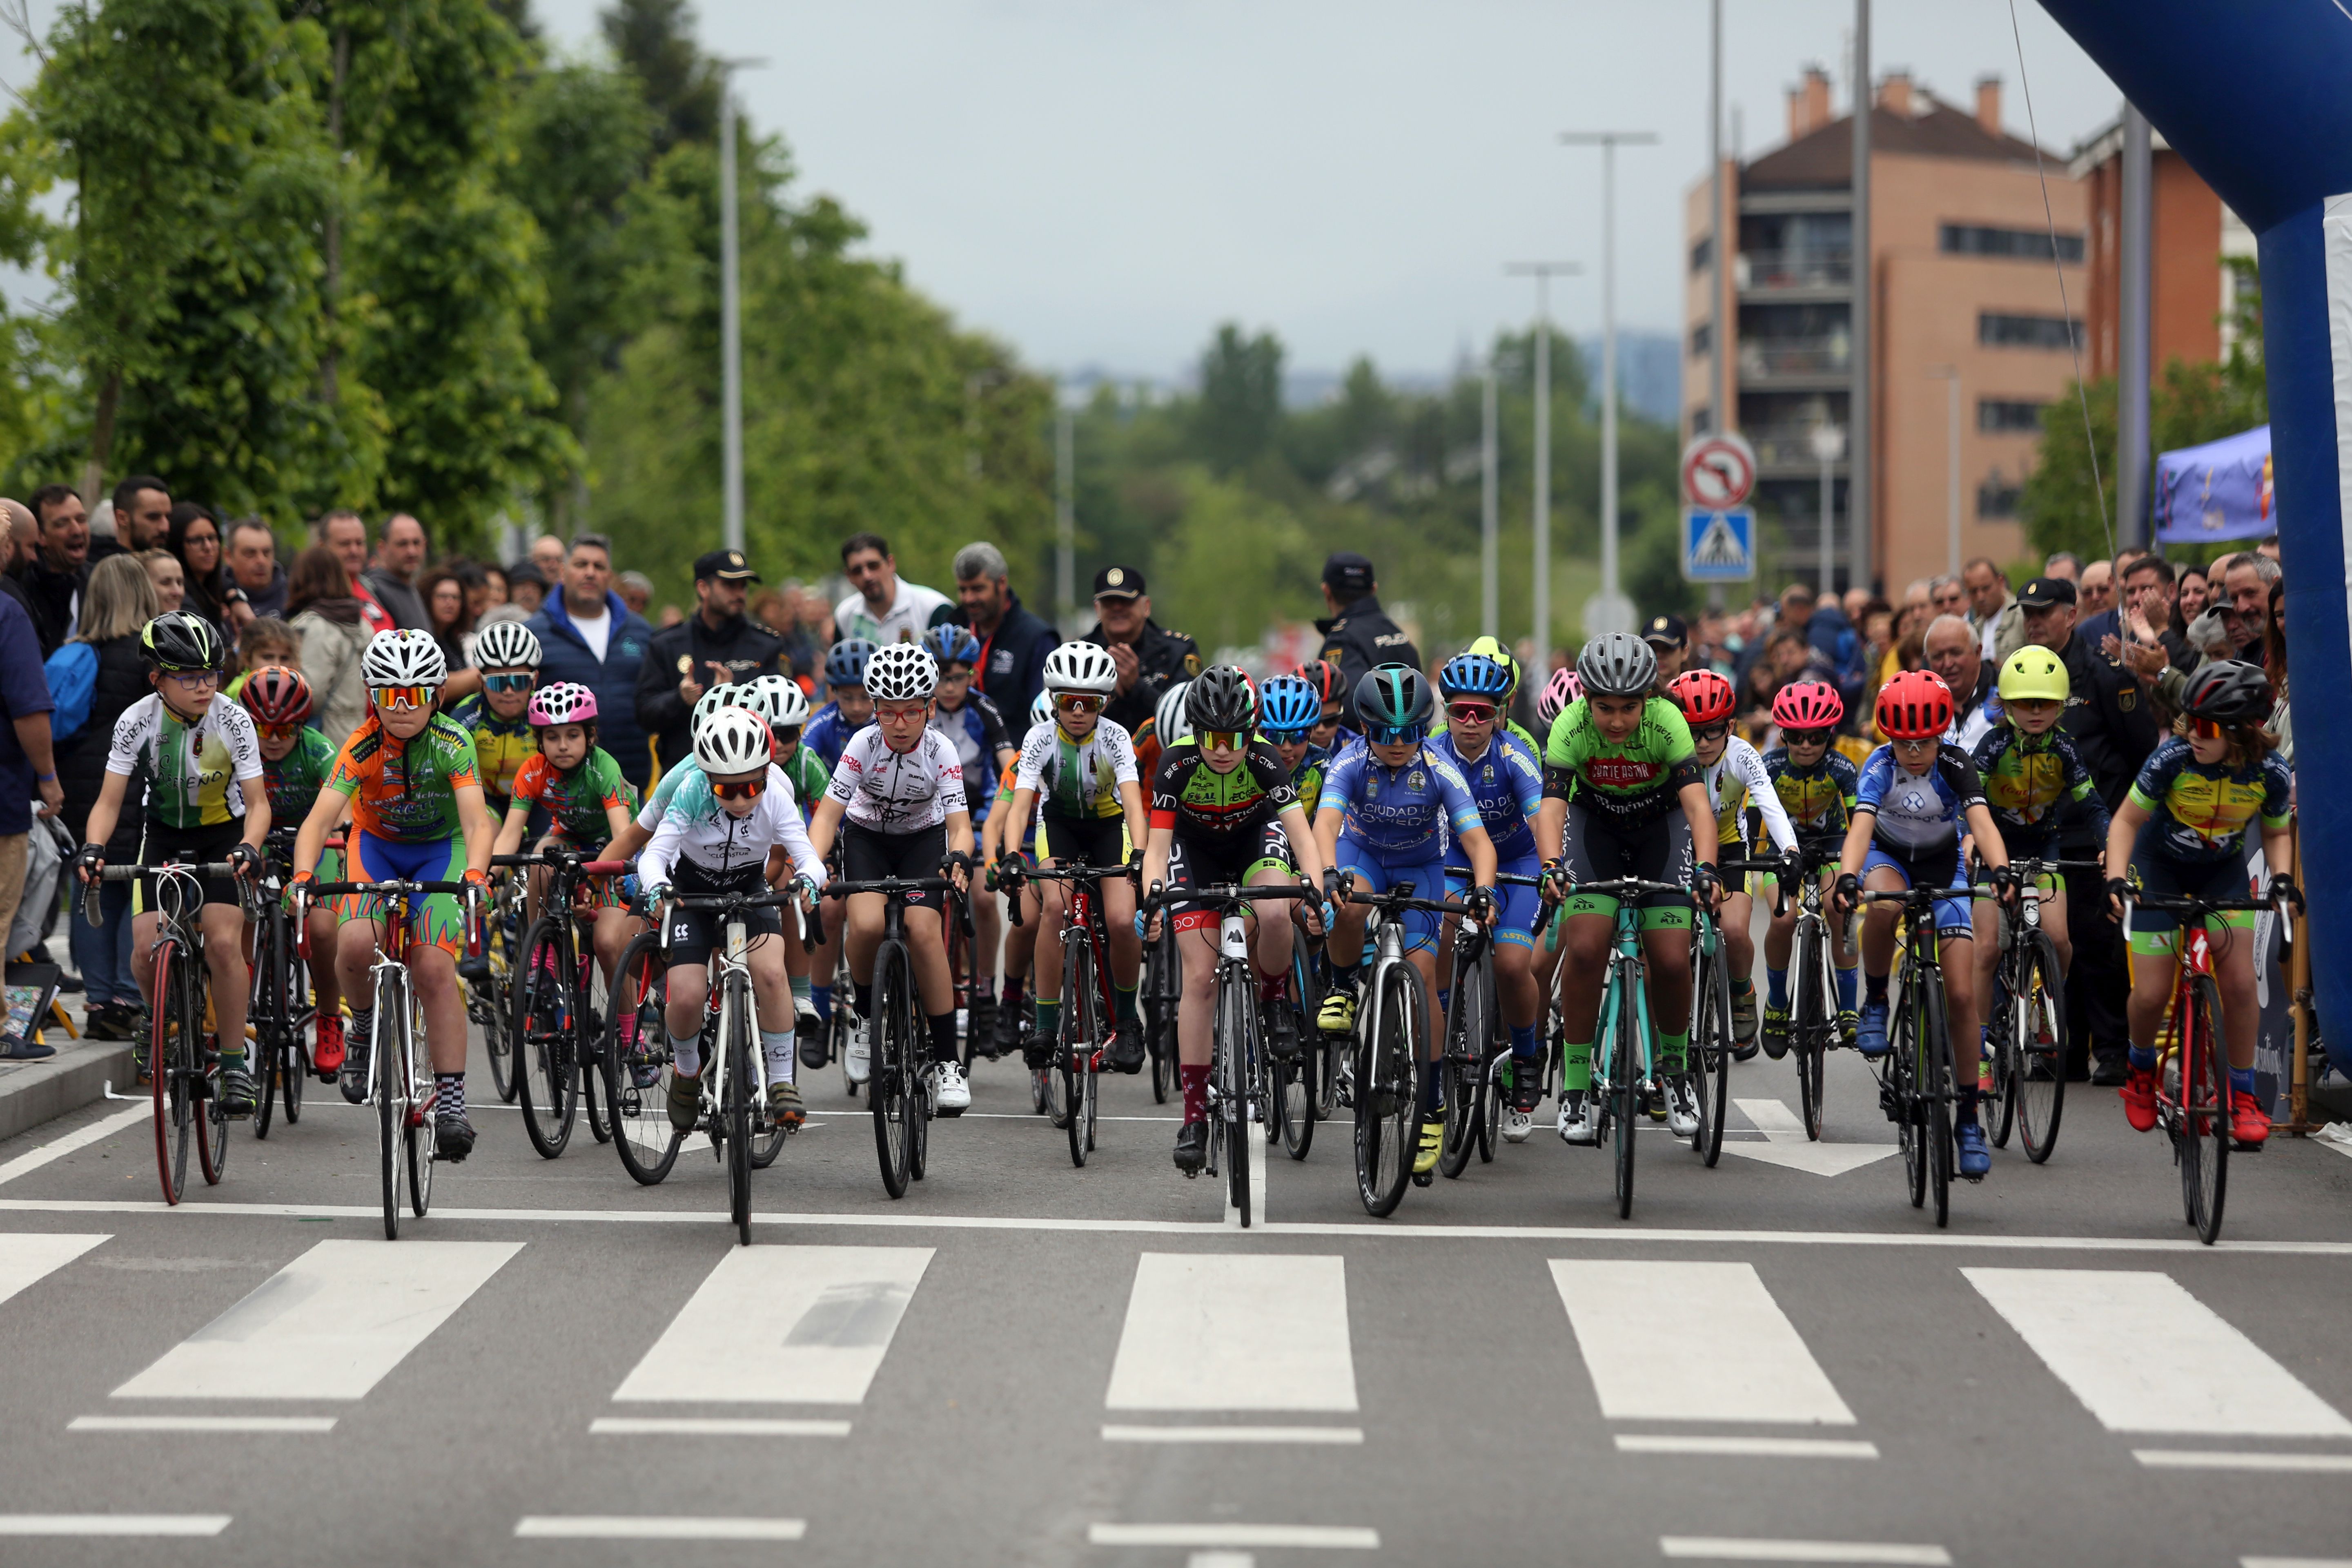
x,y
497,716
1815,784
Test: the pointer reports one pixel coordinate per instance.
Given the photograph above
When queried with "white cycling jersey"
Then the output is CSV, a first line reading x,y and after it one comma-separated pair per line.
x,y
192,771
698,830
1749,779
893,791
1078,778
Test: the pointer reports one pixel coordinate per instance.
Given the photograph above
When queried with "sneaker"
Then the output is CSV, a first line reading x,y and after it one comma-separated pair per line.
x,y
1433,1142
1127,1049
453,1136
2139,1095
1516,1125
27,1050
1682,1106
328,1055
858,1059
685,1101
784,1107
950,1094
106,1021
354,1077
237,1094
1191,1148
980,1026
2109,1072
1870,1034
2250,1124
1776,1031
1576,1124
1976,1157
1743,1015
1338,1014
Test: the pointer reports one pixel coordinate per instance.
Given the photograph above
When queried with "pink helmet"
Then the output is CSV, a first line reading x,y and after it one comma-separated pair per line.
x,y
1562,690
565,702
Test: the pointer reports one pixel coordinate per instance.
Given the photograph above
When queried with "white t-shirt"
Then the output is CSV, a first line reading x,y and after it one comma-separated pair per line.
x,y
596,632
904,621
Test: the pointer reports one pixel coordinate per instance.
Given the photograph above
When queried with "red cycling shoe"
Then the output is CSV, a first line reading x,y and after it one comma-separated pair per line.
x,y
2250,1124
328,1059
2139,1099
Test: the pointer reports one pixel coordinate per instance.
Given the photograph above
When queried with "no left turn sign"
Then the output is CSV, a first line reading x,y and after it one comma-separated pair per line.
x,y
1718,471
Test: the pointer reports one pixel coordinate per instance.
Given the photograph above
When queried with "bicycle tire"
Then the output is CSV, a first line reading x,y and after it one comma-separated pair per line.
x,y
1943,1084
1490,1109
588,1045
1157,1006
1388,1096
493,1009
642,1136
893,1111
165,1030
1470,1029
1077,1042
1235,1013
1295,1090
2204,1077
734,1037
1910,1119
2039,1008
1810,1023
420,1134
389,1112
295,1068
1711,1045
262,1017
1625,1091
543,1006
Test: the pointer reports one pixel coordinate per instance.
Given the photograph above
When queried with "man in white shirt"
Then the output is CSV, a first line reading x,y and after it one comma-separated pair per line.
x,y
885,609
587,636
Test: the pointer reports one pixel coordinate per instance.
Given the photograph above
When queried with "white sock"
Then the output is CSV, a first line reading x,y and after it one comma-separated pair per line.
x,y
776,1045
687,1051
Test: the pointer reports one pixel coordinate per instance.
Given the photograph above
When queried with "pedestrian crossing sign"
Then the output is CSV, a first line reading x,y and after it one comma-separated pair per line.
x,y
1718,546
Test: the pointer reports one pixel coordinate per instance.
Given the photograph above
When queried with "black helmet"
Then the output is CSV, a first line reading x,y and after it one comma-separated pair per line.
x,y
179,640
1392,696
1220,698
2227,692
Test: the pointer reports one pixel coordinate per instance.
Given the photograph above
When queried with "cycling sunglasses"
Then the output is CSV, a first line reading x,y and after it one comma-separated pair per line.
x,y
1398,735
405,696
1820,737
1079,702
2206,729
748,789
521,682
1288,737
1470,713
785,734
279,731
1221,740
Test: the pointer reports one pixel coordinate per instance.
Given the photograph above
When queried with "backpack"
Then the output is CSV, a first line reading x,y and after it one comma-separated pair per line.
x,y
72,673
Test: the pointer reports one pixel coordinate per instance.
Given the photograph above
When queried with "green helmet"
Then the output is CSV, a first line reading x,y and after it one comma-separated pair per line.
x,y
2034,674
1493,648
1391,698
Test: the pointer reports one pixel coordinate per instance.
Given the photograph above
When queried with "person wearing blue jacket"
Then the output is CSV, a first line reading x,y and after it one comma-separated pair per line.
x,y
588,636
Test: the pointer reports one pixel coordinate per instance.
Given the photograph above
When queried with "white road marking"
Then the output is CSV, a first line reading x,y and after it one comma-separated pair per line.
x,y
1692,1341
2294,1562
112,1523
1234,1332
1334,1537
784,1325
1748,1448
2230,1459
1786,1145
1255,1139
329,1325
80,1138
2145,1355
31,1256
280,1424
1221,1559
625,1527
1738,1549
713,1426
1333,1435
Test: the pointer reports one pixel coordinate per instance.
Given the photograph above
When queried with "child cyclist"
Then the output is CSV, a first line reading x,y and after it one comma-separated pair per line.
x,y
900,786
1287,713
409,777
1815,782
971,722
1021,942
1331,732
207,803
730,827
2182,834
498,716
1224,811
1505,777
295,761
1623,797
1736,781
848,707
1081,767
1387,805
588,803
1916,797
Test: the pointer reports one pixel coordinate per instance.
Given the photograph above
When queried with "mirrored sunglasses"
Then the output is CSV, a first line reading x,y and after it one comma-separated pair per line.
x,y
1079,702
1470,713
405,696
523,681
1220,739
1404,734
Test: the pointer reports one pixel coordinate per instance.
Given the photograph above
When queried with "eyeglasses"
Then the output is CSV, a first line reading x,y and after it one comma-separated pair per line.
x,y
1221,740
785,734
748,789
1715,732
1400,735
1079,702
195,678
1470,713
405,696
523,681
1806,737
279,731
902,711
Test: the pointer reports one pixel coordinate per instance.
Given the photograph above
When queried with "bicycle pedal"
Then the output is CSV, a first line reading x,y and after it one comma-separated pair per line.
x,y
1423,1178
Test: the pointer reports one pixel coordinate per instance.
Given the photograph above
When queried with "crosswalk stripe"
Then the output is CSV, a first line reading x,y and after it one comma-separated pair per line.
x,y
1344,1437
625,1527
713,1426
329,1325
30,1257
2145,1355
1218,1331
1326,1537
279,1424
1742,1548
1693,1342
20,1524
1746,1447
785,1325
2239,1459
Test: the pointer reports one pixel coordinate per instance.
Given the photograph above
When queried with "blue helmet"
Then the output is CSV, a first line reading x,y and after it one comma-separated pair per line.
x,y
845,665
952,644
1287,707
1474,675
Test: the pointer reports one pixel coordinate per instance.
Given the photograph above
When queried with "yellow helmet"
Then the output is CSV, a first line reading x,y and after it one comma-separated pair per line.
x,y
1493,648
2034,674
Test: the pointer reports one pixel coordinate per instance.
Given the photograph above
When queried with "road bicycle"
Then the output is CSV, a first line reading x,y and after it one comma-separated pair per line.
x,y
278,1006
1622,1070
182,1056
400,1075
2192,1079
1708,1056
1475,1065
490,999
1158,989
1813,1025
898,1076
2025,1053
1299,1090
1388,1051
558,1005
1915,1086
1088,1009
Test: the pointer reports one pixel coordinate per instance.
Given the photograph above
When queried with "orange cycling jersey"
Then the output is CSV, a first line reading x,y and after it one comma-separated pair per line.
x,y
406,792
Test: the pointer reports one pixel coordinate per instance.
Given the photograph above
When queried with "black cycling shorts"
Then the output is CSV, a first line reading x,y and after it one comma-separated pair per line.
x,y
1200,863
188,846
1597,849
694,932
867,856
1087,840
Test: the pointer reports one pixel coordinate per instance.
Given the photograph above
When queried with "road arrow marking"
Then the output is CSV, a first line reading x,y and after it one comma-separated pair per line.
x,y
1786,1145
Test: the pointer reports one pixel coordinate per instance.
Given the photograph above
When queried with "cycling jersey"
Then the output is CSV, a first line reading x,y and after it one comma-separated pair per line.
x,y
2031,781
2199,811
803,769
1738,779
1307,778
1215,808
1507,782
577,800
405,792
1917,815
500,745
977,732
1819,800
827,733
1399,814
1632,783
698,831
295,779
188,767
1004,784
893,791
1078,778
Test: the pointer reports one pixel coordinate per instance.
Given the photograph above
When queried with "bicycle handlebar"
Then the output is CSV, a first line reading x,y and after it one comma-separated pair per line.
x,y
1225,893
209,870
406,890
559,857
1502,878
1777,867
889,886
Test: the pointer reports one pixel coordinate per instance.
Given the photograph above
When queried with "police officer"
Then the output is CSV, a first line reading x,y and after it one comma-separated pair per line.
x,y
1358,634
1150,658
716,644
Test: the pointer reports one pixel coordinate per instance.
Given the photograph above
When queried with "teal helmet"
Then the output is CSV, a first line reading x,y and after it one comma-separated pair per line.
x,y
1393,702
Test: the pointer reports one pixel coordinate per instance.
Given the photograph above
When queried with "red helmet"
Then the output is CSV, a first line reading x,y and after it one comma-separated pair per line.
x,y
1704,696
1915,706
1808,705
276,695
1324,676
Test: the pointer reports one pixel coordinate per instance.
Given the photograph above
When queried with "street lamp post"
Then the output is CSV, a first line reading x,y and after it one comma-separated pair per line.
x,y
1829,445
1065,511
1949,374
731,312
1490,513
1543,273
1610,608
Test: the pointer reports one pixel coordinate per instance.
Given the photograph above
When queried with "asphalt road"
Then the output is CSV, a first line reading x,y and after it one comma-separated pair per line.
x,y
1023,1362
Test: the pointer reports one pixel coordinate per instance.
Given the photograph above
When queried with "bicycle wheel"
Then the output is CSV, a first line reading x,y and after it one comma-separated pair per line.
x,y
546,1080
588,1038
1387,1094
2204,1136
167,1030
894,1109
1074,1052
294,1068
1710,1045
636,1044
391,1105
735,1039
490,1005
1810,1019
2038,1018
203,1061
1941,1085
1293,1090
420,1133
1625,1093
1467,1033
1905,1089
1490,1108
1158,1008
264,1012
1236,1016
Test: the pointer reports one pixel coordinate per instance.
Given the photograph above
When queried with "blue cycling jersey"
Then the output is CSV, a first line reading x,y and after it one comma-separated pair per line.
x,y
1400,815
1507,781
827,733
977,732
1916,815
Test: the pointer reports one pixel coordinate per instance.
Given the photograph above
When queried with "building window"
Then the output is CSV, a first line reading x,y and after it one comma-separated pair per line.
x,y
2017,244
1702,338
1997,330
1997,498
1702,254
2007,416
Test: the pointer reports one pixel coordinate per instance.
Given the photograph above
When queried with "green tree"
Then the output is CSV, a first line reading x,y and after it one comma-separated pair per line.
x,y
1239,413
654,40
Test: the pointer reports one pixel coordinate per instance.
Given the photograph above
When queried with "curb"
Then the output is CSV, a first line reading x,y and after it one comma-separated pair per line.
x,y
35,1092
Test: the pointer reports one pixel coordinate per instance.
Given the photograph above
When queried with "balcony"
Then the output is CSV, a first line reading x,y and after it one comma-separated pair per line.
x,y
1788,448
1788,271
1783,359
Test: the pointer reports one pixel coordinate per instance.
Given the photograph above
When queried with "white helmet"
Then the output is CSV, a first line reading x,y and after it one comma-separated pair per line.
x,y
733,740
711,701
904,672
1081,667
505,645
405,658
1041,708
782,700
1171,723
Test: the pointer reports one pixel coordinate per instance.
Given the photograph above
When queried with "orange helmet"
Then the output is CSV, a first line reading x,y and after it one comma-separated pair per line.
x,y
1915,706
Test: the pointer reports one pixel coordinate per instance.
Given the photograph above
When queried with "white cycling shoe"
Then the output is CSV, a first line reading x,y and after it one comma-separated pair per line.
x,y
857,1061
1516,1125
950,1095
1576,1122
1682,1107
